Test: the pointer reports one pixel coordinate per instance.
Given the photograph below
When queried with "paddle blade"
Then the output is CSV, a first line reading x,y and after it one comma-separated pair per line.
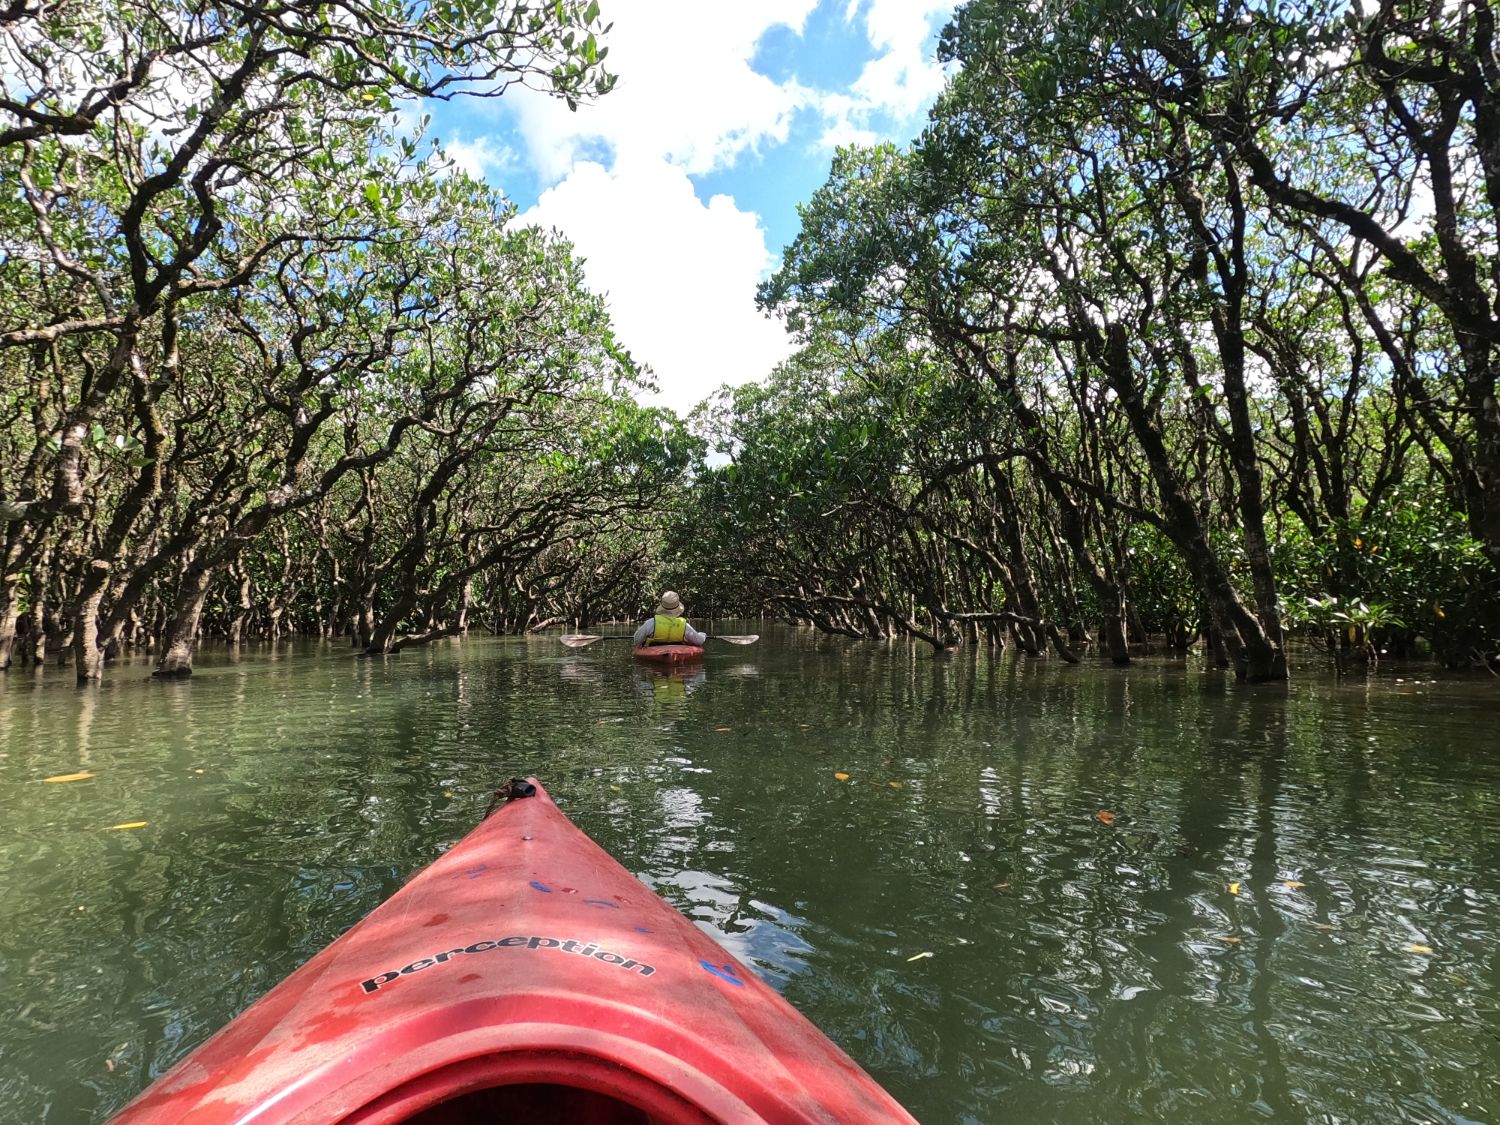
x,y
744,639
578,640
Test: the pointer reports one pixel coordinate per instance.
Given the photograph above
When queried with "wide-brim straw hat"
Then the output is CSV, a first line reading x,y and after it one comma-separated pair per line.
x,y
670,605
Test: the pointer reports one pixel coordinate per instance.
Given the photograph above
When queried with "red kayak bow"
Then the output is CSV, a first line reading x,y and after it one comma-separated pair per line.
x,y
669,654
525,976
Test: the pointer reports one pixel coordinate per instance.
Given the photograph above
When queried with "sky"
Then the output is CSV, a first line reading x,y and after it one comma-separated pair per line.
x,y
679,188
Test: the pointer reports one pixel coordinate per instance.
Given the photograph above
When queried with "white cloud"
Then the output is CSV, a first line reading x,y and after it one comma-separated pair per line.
x,y
679,276
903,25
479,157
844,132
686,90
897,84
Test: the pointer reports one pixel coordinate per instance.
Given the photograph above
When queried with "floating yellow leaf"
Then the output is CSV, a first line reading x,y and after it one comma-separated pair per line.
x,y
918,957
1234,888
447,792
129,824
895,785
1229,938
721,729
79,776
1292,883
1419,949
617,789
1104,816
841,776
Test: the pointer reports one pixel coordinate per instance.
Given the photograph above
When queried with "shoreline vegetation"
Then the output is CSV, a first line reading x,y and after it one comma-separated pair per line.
x,y
1175,324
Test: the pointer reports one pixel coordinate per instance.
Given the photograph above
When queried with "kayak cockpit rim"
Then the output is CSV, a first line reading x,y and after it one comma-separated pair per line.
x,y
532,1085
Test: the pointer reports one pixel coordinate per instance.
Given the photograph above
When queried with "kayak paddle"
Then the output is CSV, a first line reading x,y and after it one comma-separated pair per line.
x,y
579,640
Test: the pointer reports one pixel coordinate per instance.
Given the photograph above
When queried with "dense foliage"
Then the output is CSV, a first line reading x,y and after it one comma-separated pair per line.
x,y
1177,319
268,363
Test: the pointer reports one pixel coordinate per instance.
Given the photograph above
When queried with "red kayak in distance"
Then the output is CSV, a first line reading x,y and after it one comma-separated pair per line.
x,y
669,654
525,976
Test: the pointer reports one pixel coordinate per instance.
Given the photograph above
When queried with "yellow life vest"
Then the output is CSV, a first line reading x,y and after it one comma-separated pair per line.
x,y
668,630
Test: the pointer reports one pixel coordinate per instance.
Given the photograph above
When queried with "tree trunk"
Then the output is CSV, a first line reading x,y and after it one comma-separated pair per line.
x,y
10,604
466,599
38,617
181,638
1265,652
1257,657
88,653
1116,639
1070,517
237,624
364,622
383,634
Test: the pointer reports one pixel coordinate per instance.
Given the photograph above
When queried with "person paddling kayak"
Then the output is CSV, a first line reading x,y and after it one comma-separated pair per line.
x,y
669,626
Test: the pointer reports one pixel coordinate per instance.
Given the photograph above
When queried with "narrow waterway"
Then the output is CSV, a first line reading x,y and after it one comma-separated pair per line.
x,y
1149,894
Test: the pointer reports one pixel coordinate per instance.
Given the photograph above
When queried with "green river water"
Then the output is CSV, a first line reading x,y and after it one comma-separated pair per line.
x,y
1292,912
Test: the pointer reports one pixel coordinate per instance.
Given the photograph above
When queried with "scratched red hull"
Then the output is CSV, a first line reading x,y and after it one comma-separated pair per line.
x,y
669,654
524,977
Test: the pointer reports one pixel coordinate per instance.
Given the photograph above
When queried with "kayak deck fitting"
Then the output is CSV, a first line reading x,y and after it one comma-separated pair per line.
x,y
525,976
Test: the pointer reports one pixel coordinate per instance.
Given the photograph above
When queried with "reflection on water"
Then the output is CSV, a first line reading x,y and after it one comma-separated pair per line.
x,y
1148,894
669,685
